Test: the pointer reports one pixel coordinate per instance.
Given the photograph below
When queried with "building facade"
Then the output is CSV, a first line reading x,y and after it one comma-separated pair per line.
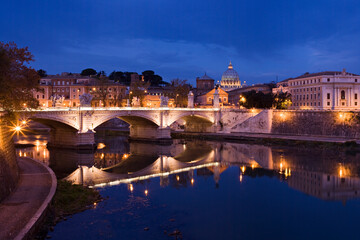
x,y
72,86
331,90
208,98
204,84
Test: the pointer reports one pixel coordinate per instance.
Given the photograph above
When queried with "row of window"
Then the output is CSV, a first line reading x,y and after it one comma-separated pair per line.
x,y
224,99
310,81
302,97
303,82
342,95
307,104
305,89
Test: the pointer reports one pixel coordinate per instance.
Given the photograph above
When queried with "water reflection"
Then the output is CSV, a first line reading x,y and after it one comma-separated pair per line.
x,y
325,174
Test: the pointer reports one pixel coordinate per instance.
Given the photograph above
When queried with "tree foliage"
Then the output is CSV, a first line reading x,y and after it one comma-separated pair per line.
x,y
42,73
88,72
17,81
282,100
154,79
138,89
121,77
255,99
181,91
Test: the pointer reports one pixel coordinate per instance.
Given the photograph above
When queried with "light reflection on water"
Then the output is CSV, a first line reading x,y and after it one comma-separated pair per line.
x,y
146,181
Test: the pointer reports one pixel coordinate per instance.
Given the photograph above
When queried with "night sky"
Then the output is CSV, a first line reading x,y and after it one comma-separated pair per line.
x,y
185,38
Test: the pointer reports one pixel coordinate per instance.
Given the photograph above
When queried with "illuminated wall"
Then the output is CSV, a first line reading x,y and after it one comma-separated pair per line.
x,y
8,166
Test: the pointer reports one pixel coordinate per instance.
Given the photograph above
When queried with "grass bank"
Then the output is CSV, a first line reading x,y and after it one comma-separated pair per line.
x,y
68,200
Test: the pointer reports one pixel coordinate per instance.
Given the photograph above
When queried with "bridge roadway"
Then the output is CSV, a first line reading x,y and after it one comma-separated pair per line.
x,y
75,127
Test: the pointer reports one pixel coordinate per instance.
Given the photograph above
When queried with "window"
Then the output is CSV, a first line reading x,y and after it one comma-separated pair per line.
x,y
328,96
224,99
328,103
37,96
355,103
209,99
319,104
355,95
43,96
328,79
355,80
342,94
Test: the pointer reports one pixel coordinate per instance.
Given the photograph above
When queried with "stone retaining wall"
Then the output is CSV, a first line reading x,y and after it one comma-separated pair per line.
x,y
325,123
9,172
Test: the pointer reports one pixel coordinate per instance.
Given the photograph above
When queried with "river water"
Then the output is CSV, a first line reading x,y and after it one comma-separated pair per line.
x,y
208,190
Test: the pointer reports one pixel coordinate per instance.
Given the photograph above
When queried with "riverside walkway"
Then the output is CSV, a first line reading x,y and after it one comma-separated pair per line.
x,y
20,212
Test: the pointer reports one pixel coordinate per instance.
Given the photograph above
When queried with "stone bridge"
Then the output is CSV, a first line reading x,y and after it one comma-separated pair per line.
x,y
75,127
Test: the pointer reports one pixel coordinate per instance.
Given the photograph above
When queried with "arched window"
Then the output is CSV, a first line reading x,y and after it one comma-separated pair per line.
x,y
342,94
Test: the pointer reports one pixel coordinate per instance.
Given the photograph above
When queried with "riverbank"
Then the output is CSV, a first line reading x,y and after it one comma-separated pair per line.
x,y
69,199
256,138
261,138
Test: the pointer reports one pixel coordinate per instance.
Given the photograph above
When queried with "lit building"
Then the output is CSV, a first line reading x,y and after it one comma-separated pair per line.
x,y
72,86
230,79
331,90
208,98
204,84
281,87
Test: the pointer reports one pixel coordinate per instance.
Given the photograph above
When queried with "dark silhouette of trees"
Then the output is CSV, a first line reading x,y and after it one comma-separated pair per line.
x,y
121,77
181,91
42,73
88,72
138,89
17,81
255,99
154,79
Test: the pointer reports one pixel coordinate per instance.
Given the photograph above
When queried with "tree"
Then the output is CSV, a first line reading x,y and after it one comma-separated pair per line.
x,y
282,100
42,73
101,91
255,99
88,72
138,89
101,73
17,81
154,79
181,91
121,77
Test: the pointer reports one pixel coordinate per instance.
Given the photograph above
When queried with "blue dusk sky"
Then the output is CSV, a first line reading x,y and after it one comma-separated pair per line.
x,y
185,38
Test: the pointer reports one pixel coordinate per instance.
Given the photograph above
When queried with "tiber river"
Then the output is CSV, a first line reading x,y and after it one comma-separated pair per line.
x,y
209,190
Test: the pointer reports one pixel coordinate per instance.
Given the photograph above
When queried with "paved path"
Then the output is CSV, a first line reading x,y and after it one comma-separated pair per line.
x,y
20,211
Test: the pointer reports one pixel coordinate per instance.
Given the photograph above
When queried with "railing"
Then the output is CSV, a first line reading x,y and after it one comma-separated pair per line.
x,y
52,109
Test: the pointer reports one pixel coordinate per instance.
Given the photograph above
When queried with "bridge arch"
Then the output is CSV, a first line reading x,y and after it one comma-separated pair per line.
x,y
55,122
133,119
206,117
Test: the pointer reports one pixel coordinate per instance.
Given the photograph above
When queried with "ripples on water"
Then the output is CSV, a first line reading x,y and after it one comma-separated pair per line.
x,y
208,190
